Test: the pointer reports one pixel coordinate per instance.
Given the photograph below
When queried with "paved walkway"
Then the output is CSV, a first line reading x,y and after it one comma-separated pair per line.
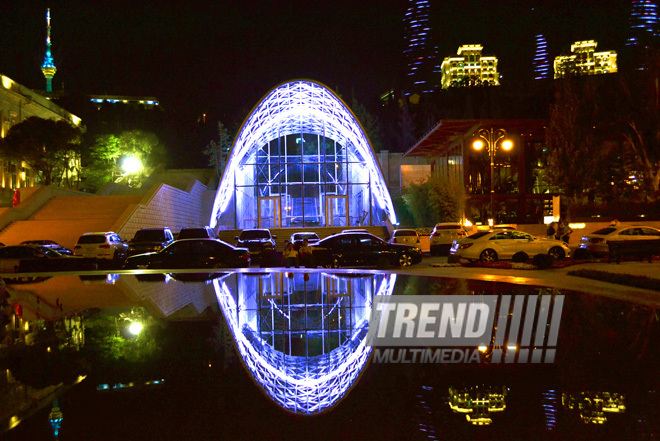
x,y
553,278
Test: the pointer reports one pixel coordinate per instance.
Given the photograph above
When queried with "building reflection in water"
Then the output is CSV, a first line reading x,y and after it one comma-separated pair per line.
x,y
478,402
302,336
593,406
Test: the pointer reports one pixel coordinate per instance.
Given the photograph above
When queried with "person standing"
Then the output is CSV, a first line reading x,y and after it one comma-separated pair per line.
x,y
550,232
559,229
305,255
566,232
290,256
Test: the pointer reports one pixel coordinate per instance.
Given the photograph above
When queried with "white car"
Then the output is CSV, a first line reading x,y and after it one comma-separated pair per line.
x,y
492,245
443,236
102,245
406,237
596,242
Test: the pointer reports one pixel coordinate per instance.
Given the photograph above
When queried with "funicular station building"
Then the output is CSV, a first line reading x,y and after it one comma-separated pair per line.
x,y
520,194
301,160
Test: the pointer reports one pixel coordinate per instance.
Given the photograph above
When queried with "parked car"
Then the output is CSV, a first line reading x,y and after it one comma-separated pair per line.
x,y
192,253
197,233
150,239
102,245
406,237
50,244
596,242
363,249
443,236
39,258
502,244
258,240
297,238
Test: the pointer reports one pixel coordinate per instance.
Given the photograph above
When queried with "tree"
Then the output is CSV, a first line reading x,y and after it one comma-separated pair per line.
x,y
437,199
217,152
369,123
575,154
639,119
109,151
49,147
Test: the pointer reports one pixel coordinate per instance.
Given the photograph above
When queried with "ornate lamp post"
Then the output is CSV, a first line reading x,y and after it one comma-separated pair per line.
x,y
491,138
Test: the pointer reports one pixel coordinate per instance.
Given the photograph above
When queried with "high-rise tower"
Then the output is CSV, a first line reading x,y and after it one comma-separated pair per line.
x,y
423,69
541,59
644,22
48,68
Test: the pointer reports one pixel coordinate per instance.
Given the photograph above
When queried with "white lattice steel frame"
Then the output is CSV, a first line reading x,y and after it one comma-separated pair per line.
x,y
301,385
301,106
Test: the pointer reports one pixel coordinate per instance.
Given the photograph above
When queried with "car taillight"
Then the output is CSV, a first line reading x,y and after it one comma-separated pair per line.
x,y
394,240
245,256
464,246
596,240
105,246
77,247
462,233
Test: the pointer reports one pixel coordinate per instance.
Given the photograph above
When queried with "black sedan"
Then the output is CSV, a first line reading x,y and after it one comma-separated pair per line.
x,y
193,253
39,258
50,244
363,249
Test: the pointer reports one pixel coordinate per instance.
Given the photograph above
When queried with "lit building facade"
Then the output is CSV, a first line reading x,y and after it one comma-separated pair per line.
x,y
470,68
520,192
421,55
301,159
584,60
17,103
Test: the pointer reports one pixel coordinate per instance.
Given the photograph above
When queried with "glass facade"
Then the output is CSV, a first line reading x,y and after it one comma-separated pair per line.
x,y
301,159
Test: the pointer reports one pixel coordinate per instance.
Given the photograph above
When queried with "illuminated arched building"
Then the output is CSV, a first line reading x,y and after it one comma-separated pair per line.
x,y
301,159
303,338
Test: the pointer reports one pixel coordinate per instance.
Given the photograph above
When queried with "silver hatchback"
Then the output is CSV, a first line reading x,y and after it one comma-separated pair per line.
x,y
406,237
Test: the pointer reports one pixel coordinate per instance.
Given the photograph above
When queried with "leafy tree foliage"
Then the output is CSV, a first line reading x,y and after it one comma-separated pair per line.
x,y
49,147
109,151
437,199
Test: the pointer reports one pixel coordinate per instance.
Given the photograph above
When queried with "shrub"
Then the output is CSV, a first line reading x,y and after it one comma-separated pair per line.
x,y
520,257
542,261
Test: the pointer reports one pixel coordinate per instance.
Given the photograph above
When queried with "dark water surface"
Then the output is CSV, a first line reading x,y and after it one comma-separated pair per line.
x,y
283,356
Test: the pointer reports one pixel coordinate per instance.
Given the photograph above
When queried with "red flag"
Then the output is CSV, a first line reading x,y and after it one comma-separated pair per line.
x,y
17,198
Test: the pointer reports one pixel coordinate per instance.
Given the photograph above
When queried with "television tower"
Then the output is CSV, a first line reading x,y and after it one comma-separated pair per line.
x,y
48,68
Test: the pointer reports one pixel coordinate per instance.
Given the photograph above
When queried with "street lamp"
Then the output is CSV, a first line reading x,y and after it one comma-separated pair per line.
x,y
490,139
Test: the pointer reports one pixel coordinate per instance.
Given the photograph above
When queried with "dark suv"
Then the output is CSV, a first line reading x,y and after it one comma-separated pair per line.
x,y
197,233
147,240
259,241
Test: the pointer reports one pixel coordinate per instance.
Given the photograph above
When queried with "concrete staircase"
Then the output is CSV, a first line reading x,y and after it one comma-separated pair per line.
x,y
65,219
283,234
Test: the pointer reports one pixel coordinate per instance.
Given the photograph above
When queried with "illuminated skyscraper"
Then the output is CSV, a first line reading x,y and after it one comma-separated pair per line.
x,y
541,59
48,68
420,54
644,22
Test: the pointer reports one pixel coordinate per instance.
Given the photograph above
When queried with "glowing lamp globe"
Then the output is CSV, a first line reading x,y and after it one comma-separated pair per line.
x,y
507,144
478,144
135,328
131,165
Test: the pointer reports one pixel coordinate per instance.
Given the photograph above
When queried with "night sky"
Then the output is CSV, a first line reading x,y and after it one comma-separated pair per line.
x,y
221,57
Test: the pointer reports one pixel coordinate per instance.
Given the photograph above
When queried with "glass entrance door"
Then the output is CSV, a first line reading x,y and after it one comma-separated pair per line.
x,y
269,215
336,212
